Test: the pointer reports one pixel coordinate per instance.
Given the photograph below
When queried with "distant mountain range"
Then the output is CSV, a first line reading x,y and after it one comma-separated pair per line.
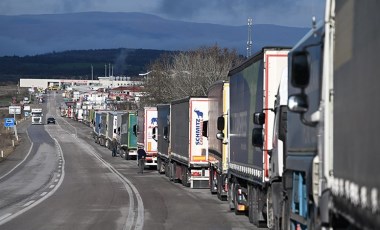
x,y
37,34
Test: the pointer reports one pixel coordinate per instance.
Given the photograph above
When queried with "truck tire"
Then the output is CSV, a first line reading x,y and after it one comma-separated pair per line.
x,y
185,176
174,173
127,157
213,180
159,165
220,188
230,196
167,170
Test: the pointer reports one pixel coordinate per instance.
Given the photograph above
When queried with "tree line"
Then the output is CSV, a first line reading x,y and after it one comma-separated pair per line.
x,y
178,75
76,64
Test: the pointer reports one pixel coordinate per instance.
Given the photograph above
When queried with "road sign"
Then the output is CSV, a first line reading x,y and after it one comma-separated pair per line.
x,y
9,122
15,109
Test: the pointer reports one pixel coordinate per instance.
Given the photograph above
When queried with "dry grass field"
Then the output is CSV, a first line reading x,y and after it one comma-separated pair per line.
x,y
8,94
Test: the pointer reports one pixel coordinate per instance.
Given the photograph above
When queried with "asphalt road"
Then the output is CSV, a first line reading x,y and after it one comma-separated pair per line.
x,y
66,181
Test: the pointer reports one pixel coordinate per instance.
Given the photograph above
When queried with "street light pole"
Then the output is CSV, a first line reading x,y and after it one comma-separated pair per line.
x,y
14,125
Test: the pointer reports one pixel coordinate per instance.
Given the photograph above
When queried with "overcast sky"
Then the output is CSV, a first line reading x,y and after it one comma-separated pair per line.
x,y
226,12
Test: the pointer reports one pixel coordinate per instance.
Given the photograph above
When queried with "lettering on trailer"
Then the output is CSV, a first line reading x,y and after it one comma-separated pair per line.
x,y
198,127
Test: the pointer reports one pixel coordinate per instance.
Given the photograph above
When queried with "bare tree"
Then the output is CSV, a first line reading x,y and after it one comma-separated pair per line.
x,y
188,73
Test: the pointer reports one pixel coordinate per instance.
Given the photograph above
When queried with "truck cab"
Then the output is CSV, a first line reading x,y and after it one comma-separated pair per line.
x,y
37,116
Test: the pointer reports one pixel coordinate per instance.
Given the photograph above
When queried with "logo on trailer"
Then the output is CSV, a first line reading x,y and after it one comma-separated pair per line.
x,y
198,127
153,121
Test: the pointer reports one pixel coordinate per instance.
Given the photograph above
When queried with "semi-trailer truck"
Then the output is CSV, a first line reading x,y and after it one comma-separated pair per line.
x,y
332,159
127,144
147,122
162,136
37,116
253,88
217,134
188,147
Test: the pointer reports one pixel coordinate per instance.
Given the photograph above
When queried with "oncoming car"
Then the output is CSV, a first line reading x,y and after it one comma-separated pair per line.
x,y
50,120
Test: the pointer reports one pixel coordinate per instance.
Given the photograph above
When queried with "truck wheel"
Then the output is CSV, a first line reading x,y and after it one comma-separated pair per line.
x,y
127,157
221,185
159,165
212,181
185,176
171,171
270,210
285,223
167,169
231,196
252,207
174,173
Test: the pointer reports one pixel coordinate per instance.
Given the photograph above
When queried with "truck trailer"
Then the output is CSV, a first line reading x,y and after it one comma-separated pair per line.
x,y
253,88
188,147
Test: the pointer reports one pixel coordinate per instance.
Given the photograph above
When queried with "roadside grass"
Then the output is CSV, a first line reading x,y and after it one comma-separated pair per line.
x,y
7,93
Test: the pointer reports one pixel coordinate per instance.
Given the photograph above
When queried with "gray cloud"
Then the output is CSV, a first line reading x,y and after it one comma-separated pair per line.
x,y
227,12
236,12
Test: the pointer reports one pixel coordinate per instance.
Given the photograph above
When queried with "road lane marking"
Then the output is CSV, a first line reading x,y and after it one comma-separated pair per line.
x,y
5,216
11,216
51,186
29,203
131,223
43,194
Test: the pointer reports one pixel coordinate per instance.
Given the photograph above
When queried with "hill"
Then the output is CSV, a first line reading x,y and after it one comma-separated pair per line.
x,y
77,64
37,34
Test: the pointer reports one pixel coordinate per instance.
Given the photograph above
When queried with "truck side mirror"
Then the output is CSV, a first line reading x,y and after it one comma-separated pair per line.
x,y
166,133
135,130
300,72
298,103
257,137
154,133
205,129
259,118
220,123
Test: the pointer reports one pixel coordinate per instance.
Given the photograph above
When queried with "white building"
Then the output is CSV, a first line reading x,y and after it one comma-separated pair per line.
x,y
106,82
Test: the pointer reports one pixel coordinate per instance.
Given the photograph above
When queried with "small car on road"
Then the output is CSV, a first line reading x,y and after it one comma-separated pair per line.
x,y
51,120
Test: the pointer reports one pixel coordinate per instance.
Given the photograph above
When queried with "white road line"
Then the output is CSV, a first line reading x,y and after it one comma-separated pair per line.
x,y
56,180
29,203
11,216
130,223
5,216
43,194
59,175
51,186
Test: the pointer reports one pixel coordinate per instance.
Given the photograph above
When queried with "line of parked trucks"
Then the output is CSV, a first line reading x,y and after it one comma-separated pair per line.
x,y
290,139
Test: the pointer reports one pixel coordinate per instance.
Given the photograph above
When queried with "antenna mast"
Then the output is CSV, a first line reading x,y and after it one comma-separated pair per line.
x,y
249,41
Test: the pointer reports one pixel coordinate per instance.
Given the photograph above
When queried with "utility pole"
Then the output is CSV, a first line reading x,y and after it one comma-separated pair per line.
x,y
92,73
249,40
